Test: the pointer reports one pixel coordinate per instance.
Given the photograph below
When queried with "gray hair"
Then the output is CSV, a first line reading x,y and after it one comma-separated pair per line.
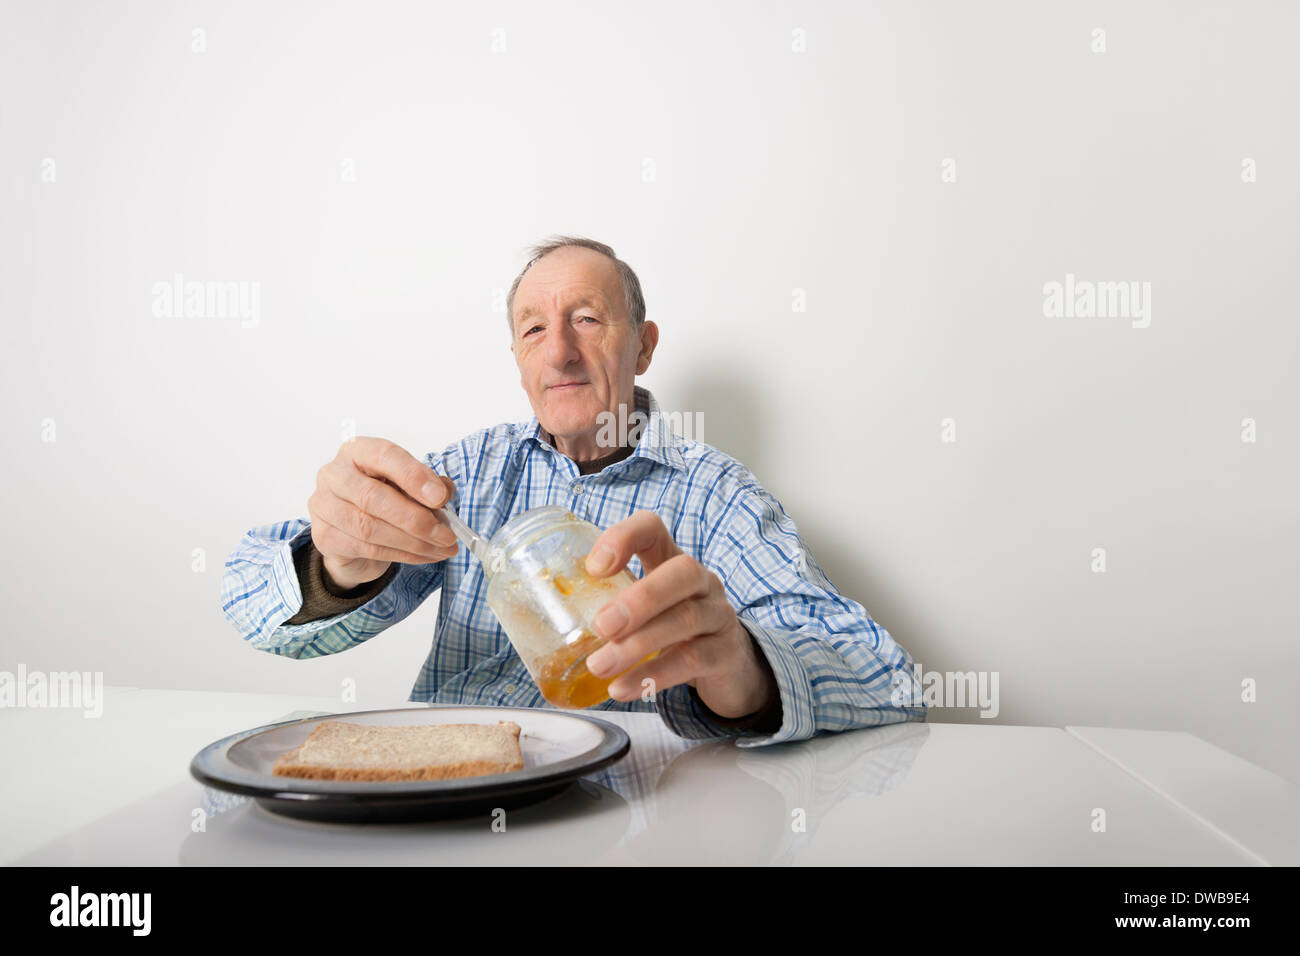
x,y
631,284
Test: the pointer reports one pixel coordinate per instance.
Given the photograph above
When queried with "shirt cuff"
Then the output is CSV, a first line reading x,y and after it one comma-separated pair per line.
x,y
686,715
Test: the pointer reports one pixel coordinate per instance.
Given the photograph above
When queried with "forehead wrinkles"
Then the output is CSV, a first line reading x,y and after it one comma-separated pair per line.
x,y
553,297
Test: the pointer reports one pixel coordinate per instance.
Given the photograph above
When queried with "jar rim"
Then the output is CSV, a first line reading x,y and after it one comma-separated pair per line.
x,y
528,523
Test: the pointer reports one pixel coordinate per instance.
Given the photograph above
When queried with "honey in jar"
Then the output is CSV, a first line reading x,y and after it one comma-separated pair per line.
x,y
563,677
545,599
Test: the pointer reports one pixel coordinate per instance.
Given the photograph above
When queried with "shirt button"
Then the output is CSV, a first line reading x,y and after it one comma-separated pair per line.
x,y
576,487
510,688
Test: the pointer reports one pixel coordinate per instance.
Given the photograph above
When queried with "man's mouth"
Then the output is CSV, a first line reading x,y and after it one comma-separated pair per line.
x,y
567,386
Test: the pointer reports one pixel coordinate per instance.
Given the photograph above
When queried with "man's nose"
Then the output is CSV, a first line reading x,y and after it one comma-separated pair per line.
x,y
561,345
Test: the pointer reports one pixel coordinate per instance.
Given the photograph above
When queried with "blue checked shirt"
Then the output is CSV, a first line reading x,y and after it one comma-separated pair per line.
x,y
834,665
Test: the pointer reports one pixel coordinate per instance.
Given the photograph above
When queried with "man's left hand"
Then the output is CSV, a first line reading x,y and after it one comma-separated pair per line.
x,y
680,609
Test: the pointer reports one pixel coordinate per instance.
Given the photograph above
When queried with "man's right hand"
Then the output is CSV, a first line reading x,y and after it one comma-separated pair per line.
x,y
371,508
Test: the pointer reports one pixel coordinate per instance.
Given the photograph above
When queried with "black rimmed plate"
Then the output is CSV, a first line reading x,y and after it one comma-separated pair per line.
x,y
557,747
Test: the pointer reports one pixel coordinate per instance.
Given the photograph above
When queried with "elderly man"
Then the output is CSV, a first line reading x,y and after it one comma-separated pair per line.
x,y
754,641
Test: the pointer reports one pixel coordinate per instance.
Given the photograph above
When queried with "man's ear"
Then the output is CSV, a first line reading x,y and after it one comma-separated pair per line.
x,y
649,341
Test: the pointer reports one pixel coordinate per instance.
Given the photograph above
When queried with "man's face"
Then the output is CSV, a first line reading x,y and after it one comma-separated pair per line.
x,y
577,352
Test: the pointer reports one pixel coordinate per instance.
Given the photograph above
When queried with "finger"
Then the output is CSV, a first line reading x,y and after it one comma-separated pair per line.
x,y
681,578
380,458
347,517
687,621
378,498
337,542
683,662
642,534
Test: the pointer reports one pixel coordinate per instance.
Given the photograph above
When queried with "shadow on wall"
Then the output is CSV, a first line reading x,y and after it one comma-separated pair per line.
x,y
736,413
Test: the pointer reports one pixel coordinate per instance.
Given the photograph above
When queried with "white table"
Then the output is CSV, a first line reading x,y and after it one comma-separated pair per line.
x,y
117,791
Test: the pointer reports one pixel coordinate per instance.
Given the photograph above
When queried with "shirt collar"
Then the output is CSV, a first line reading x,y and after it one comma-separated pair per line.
x,y
658,441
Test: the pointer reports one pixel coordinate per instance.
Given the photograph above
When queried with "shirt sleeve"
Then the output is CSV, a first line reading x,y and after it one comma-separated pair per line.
x,y
260,589
835,667
319,597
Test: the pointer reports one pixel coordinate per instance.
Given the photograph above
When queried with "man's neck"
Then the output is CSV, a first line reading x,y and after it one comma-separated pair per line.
x,y
587,464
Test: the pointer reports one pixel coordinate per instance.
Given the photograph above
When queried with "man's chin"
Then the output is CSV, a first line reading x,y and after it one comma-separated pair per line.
x,y
572,425
571,414
574,406
569,430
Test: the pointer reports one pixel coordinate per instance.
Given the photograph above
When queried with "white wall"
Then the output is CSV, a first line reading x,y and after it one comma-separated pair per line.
x,y
775,170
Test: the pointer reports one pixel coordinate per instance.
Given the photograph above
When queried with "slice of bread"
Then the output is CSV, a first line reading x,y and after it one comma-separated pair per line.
x,y
342,751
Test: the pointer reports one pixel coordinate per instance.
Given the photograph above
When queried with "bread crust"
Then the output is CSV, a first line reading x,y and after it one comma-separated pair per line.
x,y
477,768
502,747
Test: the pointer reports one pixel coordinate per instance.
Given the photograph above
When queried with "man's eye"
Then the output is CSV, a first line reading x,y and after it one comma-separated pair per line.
x,y
592,317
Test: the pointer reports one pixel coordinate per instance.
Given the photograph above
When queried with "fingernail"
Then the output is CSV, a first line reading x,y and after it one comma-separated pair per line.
x,y
600,560
434,492
601,662
610,621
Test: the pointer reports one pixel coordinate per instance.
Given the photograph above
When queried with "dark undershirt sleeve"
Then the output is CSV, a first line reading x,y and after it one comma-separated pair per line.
x,y
320,599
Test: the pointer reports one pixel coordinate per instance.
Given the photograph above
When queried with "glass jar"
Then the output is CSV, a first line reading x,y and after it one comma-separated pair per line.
x,y
540,591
